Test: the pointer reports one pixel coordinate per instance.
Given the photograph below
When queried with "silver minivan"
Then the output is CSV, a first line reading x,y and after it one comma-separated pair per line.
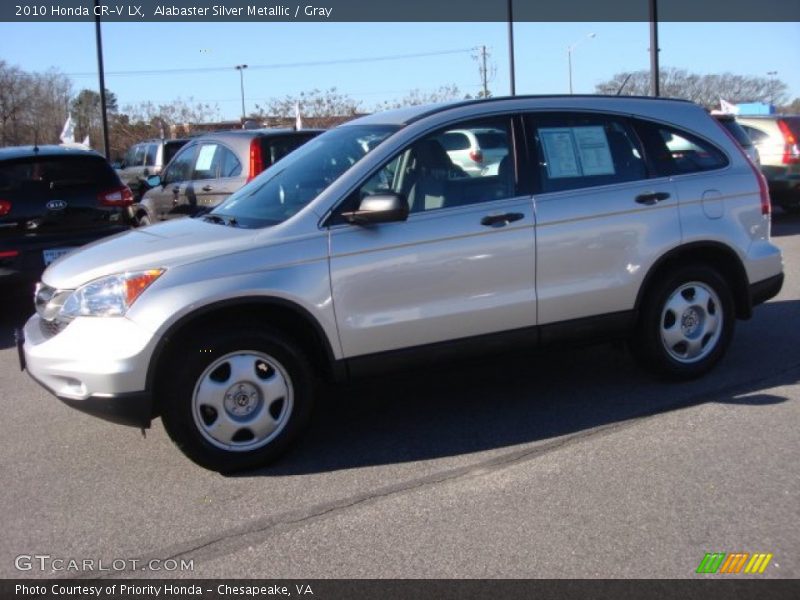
x,y
367,247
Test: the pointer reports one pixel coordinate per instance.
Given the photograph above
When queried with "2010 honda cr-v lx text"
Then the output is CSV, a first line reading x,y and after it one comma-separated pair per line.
x,y
607,216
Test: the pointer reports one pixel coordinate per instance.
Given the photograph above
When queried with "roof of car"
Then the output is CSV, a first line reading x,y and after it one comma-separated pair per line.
x,y
12,152
409,114
249,133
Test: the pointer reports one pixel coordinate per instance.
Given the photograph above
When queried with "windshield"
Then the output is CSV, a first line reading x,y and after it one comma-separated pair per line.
x,y
291,183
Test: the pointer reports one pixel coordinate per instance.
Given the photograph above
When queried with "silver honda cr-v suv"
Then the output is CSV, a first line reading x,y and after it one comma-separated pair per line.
x,y
368,246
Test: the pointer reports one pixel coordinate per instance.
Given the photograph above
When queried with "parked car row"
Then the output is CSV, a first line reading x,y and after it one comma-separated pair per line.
x,y
374,245
54,199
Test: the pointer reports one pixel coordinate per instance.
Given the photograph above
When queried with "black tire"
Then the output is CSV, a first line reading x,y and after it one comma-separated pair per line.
x,y
143,220
686,345
190,423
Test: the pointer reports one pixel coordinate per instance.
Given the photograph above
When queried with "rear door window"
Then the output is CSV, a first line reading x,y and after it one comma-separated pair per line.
x,y
576,151
206,164
229,165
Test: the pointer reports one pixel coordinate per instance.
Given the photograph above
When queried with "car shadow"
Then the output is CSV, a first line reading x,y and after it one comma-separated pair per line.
x,y
785,224
505,401
17,304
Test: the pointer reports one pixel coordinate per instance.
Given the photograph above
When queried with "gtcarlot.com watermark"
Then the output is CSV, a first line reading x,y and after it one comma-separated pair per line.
x,y
54,564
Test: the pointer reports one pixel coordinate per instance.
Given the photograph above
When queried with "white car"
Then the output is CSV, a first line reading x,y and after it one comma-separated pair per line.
x,y
476,151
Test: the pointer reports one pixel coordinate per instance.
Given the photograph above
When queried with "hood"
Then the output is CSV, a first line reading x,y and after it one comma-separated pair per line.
x,y
164,245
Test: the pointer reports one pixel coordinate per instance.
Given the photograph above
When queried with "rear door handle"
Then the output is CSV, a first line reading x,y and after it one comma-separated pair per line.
x,y
501,220
651,198
206,188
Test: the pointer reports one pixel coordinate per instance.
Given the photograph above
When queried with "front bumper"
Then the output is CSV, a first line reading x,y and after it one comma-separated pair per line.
x,y
96,365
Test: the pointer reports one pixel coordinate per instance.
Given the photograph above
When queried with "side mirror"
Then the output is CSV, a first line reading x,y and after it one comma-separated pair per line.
x,y
380,208
154,181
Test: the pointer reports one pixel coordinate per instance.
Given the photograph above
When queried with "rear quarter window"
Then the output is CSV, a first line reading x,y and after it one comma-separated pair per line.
x,y
676,152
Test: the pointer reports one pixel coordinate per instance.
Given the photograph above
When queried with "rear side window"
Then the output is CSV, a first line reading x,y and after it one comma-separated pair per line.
x,y
756,135
576,151
229,165
491,140
275,148
736,131
453,140
40,177
676,152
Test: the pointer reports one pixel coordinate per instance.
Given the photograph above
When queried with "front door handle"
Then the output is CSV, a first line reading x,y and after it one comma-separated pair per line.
x,y
651,198
501,220
206,188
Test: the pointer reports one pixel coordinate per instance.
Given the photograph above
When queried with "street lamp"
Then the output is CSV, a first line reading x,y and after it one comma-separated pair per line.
x,y
772,75
241,69
569,56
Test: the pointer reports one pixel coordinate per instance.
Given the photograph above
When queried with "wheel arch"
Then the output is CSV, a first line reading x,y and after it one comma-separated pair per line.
x,y
278,313
714,254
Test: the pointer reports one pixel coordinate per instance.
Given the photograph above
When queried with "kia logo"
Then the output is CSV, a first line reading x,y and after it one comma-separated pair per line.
x,y
56,205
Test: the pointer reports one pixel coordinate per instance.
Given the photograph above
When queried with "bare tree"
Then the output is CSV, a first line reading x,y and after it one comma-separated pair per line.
x,y
444,93
318,108
33,106
705,90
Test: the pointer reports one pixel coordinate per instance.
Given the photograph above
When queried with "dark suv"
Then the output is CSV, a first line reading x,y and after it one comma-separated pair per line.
x,y
210,168
53,199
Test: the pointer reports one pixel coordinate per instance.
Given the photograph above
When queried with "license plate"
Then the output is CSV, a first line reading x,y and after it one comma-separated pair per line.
x,y
54,253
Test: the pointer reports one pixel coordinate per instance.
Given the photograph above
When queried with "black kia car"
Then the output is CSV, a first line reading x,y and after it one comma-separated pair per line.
x,y
52,200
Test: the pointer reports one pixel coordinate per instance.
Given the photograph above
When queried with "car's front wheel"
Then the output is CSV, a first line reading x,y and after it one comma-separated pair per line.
x,y
686,323
237,398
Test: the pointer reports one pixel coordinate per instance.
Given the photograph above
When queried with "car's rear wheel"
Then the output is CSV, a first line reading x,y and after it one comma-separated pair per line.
x,y
238,399
143,220
686,323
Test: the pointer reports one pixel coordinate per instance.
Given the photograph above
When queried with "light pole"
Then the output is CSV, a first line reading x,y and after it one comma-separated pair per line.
x,y
772,75
569,56
241,69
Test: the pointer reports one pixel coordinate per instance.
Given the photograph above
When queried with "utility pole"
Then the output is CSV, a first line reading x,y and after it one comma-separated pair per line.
x,y
484,74
102,76
654,74
486,70
511,45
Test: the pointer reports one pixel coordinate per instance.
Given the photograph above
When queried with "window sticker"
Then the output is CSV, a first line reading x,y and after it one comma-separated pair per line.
x,y
595,155
205,158
559,152
576,151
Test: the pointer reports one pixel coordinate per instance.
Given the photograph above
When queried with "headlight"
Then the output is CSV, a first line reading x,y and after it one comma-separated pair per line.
x,y
108,296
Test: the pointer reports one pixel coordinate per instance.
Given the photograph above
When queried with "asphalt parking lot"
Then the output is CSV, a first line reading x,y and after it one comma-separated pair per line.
x,y
570,463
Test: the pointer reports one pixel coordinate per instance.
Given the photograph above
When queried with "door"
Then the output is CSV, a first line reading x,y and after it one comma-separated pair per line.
x,y
217,174
461,265
602,220
164,201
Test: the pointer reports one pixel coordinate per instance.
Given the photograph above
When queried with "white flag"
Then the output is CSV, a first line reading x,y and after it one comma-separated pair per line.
x,y
68,133
298,120
728,108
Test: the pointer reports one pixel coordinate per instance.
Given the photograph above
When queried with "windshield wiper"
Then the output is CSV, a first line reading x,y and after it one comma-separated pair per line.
x,y
221,219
